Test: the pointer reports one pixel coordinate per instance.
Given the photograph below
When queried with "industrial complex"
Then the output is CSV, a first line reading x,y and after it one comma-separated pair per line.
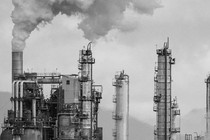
x,y
71,111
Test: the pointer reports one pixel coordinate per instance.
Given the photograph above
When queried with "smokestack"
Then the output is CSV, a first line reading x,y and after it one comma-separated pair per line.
x,y
17,64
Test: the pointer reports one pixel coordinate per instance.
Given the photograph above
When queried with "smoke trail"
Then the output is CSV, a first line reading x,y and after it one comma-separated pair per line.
x,y
98,16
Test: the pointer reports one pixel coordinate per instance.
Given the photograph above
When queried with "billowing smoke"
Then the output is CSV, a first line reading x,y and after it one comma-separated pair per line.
x,y
98,17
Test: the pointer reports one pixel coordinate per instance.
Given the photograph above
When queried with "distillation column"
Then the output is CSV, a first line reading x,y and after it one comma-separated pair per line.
x,y
207,81
121,100
86,61
162,97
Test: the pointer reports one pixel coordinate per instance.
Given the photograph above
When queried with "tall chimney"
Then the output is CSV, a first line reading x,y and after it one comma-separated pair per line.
x,y
17,64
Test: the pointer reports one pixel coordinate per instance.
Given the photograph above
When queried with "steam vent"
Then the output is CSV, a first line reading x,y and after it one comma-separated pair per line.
x,y
71,111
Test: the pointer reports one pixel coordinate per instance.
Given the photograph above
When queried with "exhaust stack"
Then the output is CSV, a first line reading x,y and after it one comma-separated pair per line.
x,y
17,64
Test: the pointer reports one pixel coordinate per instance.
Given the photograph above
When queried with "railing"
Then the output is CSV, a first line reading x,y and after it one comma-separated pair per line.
x,y
174,105
175,130
177,112
155,108
155,130
157,98
114,132
116,116
114,100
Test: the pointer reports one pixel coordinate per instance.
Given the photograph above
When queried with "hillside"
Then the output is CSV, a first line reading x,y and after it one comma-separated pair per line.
x,y
194,121
5,104
138,130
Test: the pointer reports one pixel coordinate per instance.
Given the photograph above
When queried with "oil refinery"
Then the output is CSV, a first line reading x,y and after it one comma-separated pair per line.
x,y
71,111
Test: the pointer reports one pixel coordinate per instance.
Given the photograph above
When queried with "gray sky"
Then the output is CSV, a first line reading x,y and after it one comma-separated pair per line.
x,y
56,45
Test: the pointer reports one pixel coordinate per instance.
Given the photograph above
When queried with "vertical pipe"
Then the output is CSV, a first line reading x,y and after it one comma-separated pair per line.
x,y
17,64
91,104
17,99
34,110
13,95
21,103
208,107
165,51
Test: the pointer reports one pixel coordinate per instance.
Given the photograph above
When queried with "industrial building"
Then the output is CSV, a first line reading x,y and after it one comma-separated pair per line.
x,y
166,109
71,111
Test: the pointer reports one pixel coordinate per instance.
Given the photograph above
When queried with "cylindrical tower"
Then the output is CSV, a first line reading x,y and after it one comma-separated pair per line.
x,y
86,61
121,100
207,81
162,96
17,64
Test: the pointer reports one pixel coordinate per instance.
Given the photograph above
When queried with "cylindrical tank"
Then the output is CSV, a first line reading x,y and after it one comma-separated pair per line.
x,y
32,134
17,64
121,113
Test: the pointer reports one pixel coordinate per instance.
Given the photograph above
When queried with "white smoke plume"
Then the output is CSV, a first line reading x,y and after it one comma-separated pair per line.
x,y
98,16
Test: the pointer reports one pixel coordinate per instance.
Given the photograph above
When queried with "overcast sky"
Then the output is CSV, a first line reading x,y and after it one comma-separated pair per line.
x,y
56,45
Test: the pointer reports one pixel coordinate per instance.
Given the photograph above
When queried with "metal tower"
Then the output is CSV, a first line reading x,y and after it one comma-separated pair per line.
x,y
121,101
165,108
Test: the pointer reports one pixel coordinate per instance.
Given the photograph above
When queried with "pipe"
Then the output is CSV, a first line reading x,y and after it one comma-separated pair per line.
x,y
13,95
166,93
16,99
34,111
21,102
17,64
